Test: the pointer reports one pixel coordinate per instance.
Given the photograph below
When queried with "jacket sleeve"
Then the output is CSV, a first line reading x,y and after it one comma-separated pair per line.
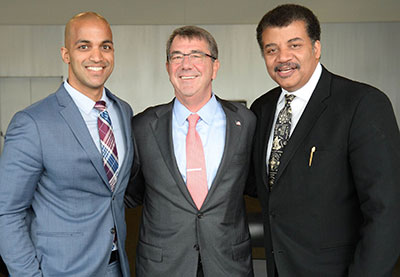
x,y
374,153
20,170
251,185
135,190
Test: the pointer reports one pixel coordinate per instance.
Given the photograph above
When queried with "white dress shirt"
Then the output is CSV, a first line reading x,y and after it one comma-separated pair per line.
x,y
90,115
212,130
298,105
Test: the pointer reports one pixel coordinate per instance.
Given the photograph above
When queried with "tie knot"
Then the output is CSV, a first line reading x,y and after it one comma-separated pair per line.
x,y
100,105
289,98
193,118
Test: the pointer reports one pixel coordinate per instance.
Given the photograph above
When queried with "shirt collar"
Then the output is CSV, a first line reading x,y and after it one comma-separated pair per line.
x,y
83,102
307,90
206,112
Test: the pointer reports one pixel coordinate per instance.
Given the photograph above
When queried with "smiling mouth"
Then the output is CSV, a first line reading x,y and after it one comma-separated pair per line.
x,y
286,67
187,77
95,68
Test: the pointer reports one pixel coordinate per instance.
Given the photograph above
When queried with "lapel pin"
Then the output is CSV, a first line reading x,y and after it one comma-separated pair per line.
x,y
238,123
313,149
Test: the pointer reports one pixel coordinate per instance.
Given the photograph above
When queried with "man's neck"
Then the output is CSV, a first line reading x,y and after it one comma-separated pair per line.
x,y
94,94
194,104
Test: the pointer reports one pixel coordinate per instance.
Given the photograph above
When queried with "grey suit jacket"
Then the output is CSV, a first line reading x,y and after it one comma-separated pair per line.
x,y
173,232
57,212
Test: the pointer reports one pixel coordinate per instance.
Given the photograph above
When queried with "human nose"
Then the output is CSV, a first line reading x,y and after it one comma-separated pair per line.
x,y
96,55
186,61
285,55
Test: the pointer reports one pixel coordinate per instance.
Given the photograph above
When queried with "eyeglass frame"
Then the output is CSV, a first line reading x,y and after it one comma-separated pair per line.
x,y
188,55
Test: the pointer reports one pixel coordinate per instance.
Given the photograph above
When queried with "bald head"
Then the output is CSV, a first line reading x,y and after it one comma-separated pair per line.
x,y
89,53
73,23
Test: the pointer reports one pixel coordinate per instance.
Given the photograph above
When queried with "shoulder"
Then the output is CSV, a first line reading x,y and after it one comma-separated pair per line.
x,y
234,106
126,108
347,89
268,98
42,109
125,105
354,93
238,112
151,113
368,109
341,83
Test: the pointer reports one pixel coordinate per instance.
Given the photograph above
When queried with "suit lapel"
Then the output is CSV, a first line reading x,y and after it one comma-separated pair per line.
x,y
126,127
266,122
162,131
312,112
232,137
70,112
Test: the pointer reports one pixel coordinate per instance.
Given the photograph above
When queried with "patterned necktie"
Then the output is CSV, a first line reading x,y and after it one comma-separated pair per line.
x,y
281,138
196,176
107,143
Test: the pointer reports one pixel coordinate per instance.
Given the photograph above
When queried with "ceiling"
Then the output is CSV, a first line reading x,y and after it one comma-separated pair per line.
x,y
183,12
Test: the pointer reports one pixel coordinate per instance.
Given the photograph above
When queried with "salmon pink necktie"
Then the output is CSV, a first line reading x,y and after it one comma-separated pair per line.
x,y
196,176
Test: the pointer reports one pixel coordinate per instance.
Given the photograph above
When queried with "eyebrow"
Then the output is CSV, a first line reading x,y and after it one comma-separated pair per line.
x,y
81,41
191,52
295,39
289,41
269,45
88,41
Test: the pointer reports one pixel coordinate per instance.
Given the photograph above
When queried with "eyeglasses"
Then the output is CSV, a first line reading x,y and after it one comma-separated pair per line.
x,y
196,57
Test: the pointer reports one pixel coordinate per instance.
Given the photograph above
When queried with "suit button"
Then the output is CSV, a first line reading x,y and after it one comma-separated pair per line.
x,y
197,247
272,214
200,215
112,230
113,198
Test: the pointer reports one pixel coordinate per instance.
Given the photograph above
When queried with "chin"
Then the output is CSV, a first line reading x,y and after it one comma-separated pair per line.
x,y
97,84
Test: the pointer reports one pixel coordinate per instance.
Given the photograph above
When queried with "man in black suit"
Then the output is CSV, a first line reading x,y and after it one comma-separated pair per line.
x,y
327,168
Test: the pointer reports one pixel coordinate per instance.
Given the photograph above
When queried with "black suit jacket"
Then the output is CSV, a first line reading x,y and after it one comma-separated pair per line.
x,y
3,268
339,216
173,232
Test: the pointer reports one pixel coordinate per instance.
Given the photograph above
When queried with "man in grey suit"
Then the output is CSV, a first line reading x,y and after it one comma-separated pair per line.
x,y
61,199
194,220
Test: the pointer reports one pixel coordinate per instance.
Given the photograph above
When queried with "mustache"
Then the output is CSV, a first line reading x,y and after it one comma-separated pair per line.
x,y
290,65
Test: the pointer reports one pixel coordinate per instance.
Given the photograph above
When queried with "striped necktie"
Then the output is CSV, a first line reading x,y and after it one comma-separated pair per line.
x,y
107,143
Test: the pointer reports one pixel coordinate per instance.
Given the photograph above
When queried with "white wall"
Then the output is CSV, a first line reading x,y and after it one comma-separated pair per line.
x,y
30,51
363,51
367,52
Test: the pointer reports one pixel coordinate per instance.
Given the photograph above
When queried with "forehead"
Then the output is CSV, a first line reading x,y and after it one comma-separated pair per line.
x,y
184,43
296,29
90,29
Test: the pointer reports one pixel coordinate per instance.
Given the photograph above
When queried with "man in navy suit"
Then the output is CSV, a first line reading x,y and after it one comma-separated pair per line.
x,y
327,166
61,214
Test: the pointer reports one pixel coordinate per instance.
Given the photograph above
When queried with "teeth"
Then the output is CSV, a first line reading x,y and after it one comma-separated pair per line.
x,y
187,77
95,68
